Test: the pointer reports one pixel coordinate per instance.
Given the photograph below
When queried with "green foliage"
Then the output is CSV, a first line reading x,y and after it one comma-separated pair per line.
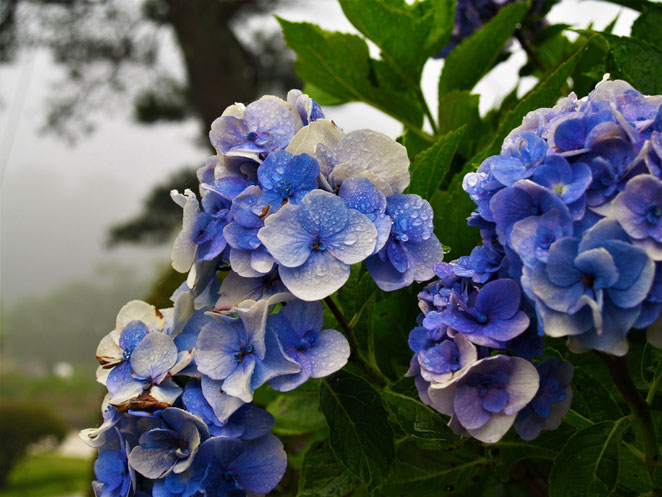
x,y
588,464
296,413
431,165
646,27
23,423
635,61
407,34
339,64
423,472
359,432
48,475
417,420
474,57
323,476
591,399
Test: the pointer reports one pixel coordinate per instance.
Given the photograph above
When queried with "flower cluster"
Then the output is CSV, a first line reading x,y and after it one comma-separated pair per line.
x,y
290,201
178,416
286,206
574,204
469,312
570,213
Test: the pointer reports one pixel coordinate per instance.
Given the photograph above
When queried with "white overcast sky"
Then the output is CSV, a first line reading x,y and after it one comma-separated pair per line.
x,y
58,200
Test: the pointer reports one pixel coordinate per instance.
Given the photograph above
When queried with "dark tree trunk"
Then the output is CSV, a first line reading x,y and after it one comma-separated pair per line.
x,y
211,53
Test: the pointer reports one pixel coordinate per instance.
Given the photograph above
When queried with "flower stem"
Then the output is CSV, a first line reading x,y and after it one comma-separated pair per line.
x,y
537,61
639,408
368,369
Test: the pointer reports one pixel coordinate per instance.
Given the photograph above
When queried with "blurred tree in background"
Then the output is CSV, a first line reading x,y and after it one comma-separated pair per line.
x,y
120,54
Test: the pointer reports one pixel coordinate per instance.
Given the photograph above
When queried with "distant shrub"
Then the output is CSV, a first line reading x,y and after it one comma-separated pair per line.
x,y
21,424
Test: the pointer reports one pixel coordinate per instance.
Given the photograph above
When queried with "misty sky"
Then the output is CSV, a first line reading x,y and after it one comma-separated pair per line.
x,y
58,200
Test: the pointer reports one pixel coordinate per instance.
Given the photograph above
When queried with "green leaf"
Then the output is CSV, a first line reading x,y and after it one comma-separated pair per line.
x,y
633,478
359,433
451,209
339,65
416,419
323,476
546,446
591,399
636,62
422,472
296,414
587,466
647,27
354,294
475,56
408,35
430,166
456,109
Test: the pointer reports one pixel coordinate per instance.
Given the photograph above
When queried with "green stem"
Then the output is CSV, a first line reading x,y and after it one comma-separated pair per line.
x,y
428,112
368,369
537,61
655,384
639,408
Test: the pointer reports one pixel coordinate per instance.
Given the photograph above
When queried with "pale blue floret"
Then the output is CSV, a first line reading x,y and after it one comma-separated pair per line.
x,y
315,242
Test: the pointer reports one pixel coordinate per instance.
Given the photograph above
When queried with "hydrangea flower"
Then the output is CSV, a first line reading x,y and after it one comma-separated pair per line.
x,y
550,403
592,289
319,352
257,129
493,318
138,356
412,247
171,447
315,242
485,398
287,178
114,476
246,423
242,352
638,209
234,467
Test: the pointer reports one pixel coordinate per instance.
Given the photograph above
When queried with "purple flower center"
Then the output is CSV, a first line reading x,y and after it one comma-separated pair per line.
x,y
318,245
251,135
244,350
481,318
654,214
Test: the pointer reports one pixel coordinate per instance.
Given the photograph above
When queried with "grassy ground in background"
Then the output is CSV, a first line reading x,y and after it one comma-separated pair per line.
x,y
48,475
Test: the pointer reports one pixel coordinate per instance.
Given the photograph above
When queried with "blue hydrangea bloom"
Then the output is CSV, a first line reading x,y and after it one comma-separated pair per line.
x,y
234,467
308,109
493,318
484,398
248,257
138,356
287,178
412,247
592,288
171,447
441,362
638,209
551,402
524,200
315,242
519,158
258,129
201,237
236,289
241,352
114,476
246,423
185,484
360,194
319,352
